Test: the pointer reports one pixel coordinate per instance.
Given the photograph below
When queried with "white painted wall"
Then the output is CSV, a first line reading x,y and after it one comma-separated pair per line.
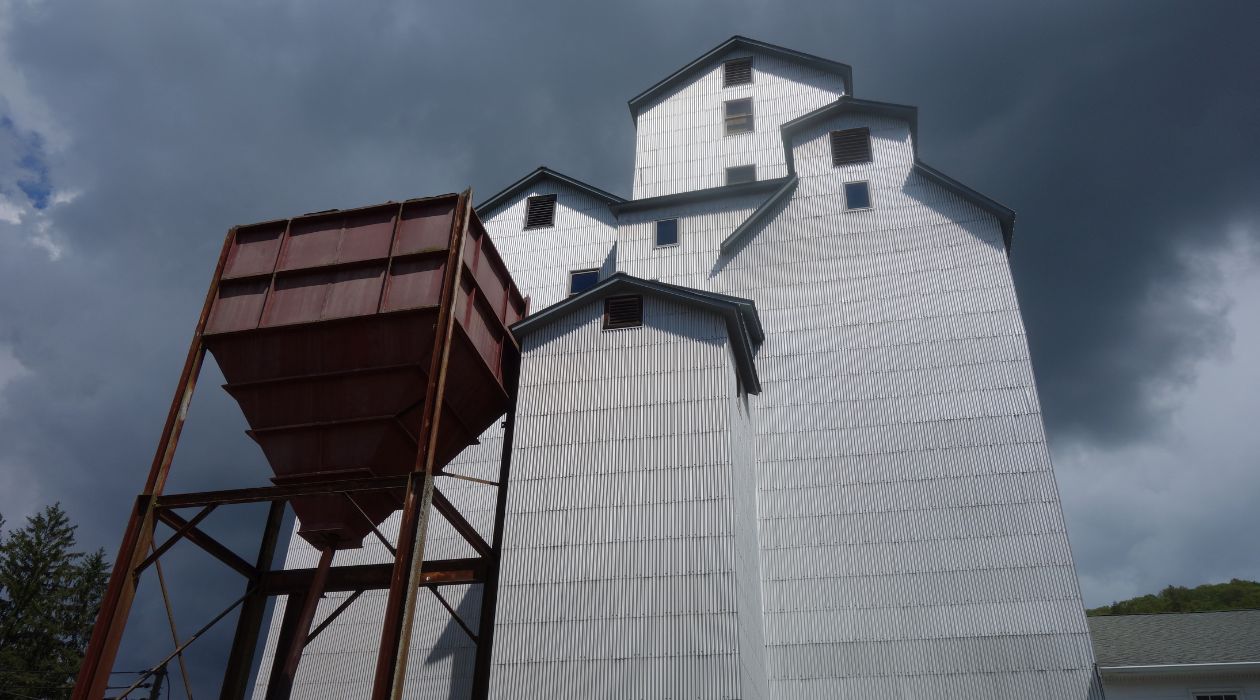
x,y
680,138
624,573
1181,686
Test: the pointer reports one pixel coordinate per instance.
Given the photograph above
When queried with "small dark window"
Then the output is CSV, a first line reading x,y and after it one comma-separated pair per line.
x,y
582,280
540,211
851,146
623,312
737,71
667,232
1216,696
741,173
739,116
857,195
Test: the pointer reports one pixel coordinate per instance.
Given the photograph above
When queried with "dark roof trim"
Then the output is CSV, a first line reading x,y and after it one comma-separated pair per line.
x,y
742,321
540,173
697,195
742,42
789,184
1005,215
849,104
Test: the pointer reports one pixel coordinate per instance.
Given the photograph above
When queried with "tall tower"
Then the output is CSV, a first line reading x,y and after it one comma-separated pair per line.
x,y
777,434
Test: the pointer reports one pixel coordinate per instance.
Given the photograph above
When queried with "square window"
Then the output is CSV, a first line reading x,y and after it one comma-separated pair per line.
x,y
857,195
851,146
666,233
739,116
737,71
623,312
582,280
540,211
740,174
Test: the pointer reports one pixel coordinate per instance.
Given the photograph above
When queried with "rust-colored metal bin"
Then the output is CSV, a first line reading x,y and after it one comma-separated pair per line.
x,y
323,326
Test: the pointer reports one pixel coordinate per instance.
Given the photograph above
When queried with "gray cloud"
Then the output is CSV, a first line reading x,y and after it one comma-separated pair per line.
x,y
1122,134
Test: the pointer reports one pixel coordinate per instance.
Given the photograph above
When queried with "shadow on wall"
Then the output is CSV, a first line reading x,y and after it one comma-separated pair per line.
x,y
455,643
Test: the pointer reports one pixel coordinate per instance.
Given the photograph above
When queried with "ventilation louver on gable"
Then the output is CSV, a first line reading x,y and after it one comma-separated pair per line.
x,y
851,146
540,211
623,312
737,71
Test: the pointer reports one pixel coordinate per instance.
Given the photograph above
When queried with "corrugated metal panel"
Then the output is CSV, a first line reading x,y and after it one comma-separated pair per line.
x,y
905,525
680,141
627,571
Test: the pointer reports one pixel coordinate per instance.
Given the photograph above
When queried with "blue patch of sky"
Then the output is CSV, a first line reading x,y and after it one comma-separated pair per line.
x,y
32,165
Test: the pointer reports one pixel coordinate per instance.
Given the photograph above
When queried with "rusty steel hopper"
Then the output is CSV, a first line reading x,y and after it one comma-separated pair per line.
x,y
324,326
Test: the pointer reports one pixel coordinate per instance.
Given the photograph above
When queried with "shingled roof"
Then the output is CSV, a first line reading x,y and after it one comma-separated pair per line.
x,y
1176,639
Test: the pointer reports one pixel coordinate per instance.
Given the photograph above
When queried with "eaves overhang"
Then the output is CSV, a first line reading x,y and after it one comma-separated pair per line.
x,y
710,193
1005,215
544,173
760,213
1174,668
739,42
743,324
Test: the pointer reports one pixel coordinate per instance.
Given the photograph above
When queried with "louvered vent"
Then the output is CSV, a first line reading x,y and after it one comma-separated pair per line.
x,y
623,312
851,146
737,71
540,211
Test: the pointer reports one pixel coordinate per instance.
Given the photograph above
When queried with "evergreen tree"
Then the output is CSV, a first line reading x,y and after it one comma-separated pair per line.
x,y
49,596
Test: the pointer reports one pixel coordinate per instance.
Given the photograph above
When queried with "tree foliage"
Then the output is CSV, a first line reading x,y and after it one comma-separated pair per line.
x,y
49,596
1235,595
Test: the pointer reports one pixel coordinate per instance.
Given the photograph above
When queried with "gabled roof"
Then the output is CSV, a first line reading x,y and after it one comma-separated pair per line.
x,y
542,173
1005,215
740,42
720,192
1151,642
789,184
743,325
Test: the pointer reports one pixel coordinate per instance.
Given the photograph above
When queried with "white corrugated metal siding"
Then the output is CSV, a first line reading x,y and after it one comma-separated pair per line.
x,y
886,506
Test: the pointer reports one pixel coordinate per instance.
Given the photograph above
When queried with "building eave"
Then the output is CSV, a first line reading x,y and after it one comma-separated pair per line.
x,y
1005,215
1157,669
743,324
842,69
789,184
542,173
690,196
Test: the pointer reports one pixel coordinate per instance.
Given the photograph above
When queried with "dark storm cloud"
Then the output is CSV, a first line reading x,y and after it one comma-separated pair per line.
x,y
1123,135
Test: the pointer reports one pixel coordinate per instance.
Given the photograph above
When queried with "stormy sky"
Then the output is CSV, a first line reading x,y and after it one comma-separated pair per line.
x,y
132,135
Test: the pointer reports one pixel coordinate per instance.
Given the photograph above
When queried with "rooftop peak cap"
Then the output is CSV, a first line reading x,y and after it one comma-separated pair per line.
x,y
539,174
743,324
739,42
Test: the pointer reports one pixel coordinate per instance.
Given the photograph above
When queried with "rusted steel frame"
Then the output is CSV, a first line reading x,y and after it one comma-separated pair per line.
x,y
102,648
279,493
332,616
313,595
389,259
391,661
443,572
322,424
461,525
279,686
490,589
454,615
249,625
170,620
469,478
180,649
372,524
212,546
179,535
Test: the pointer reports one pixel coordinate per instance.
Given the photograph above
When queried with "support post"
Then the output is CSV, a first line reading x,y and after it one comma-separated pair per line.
x,y
102,648
490,589
391,660
279,686
249,625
